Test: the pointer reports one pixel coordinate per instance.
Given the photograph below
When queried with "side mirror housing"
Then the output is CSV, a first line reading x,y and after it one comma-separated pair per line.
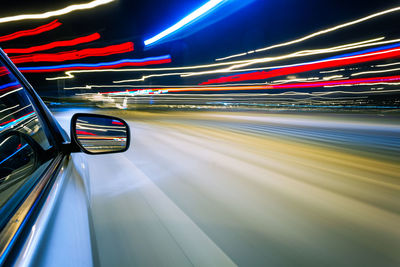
x,y
99,134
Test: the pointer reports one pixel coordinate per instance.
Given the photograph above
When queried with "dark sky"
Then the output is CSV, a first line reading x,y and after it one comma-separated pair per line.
x,y
259,23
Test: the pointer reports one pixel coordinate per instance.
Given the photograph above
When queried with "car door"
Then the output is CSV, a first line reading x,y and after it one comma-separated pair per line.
x,y
44,193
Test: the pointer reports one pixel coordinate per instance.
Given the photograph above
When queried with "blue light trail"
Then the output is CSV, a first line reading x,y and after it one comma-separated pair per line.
x,y
209,6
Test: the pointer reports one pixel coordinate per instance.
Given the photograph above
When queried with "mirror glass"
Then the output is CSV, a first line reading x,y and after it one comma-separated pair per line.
x,y
98,134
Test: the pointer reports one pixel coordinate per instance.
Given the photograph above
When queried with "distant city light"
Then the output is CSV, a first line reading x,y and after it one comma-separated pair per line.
x,y
209,6
54,13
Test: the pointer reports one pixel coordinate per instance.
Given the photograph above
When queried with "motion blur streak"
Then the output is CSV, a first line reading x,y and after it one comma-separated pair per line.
x,y
336,62
341,26
258,189
387,65
44,28
304,53
185,21
59,12
375,80
9,85
4,71
15,121
105,65
73,55
374,71
73,42
239,64
235,64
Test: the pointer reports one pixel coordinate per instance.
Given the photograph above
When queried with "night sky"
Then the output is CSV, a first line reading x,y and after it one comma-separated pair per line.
x,y
227,31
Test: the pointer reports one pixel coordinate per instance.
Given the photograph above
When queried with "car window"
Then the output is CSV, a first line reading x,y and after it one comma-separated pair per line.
x,y
23,142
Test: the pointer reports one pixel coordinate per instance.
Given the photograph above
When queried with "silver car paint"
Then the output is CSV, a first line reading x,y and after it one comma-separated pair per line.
x,y
62,235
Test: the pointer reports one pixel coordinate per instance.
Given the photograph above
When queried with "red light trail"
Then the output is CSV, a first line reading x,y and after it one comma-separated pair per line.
x,y
4,71
75,54
84,132
44,28
375,80
76,41
388,79
118,64
337,62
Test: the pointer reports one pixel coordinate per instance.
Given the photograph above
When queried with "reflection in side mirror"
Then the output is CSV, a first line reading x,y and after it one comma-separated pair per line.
x,y
99,134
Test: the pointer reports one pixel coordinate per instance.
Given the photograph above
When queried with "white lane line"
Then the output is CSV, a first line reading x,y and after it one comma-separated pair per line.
x,y
196,245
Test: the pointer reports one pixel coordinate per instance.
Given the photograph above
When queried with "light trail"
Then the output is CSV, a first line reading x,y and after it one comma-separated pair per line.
x,y
54,13
239,64
104,65
75,54
387,65
16,111
366,43
347,82
12,122
44,28
331,71
89,87
377,83
204,9
374,71
324,51
4,110
73,42
335,62
318,33
11,92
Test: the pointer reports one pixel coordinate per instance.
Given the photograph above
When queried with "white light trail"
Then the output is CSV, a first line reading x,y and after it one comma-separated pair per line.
x,y
234,64
387,65
374,71
239,64
303,53
330,71
328,30
54,13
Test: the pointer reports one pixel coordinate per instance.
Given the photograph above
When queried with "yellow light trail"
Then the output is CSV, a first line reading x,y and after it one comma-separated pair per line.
x,y
318,33
54,13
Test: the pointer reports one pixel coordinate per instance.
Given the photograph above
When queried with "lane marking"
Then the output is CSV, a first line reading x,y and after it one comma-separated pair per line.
x,y
195,244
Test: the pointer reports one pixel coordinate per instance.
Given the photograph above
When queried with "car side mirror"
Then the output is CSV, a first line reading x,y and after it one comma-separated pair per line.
x,y
99,134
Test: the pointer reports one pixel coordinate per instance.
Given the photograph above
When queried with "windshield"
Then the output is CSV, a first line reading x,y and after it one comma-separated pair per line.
x,y
264,133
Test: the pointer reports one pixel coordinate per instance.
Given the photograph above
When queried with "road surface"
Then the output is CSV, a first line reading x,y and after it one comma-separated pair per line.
x,y
249,189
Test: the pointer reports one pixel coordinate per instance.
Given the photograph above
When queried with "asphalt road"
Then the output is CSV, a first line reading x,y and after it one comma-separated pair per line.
x,y
246,189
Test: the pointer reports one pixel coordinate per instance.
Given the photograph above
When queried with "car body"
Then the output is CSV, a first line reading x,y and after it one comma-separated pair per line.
x,y
45,214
